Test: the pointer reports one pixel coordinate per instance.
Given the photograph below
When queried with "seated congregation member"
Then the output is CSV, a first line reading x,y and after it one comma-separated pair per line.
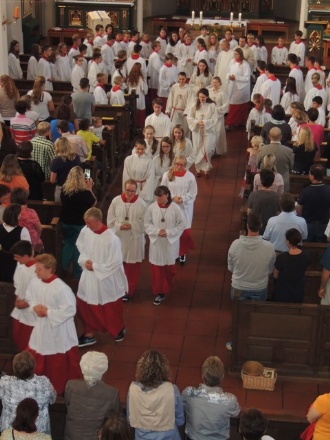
x,y
4,199
264,202
43,149
7,143
253,425
126,219
289,270
314,204
284,155
21,127
25,383
251,261
183,187
23,318
208,408
53,342
154,407
164,223
28,217
11,174
318,413
158,120
316,129
91,395
24,424
10,233
304,150
278,120
76,197
103,282
31,170
140,168
287,219
269,162
42,101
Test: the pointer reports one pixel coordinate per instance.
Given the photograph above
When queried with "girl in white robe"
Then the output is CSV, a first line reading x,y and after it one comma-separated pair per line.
x,y
213,50
290,94
202,119
182,145
136,81
140,167
177,102
14,66
183,187
153,145
222,105
199,80
33,62
163,160
201,53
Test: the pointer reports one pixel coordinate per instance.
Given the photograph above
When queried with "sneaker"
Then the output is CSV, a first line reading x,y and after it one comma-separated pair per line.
x,y
229,346
85,341
159,299
121,335
126,298
183,259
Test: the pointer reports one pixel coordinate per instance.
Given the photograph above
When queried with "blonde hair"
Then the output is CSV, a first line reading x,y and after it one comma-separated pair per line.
x,y
170,174
63,148
256,141
10,168
269,161
96,213
37,90
48,260
216,45
305,137
75,181
300,117
182,145
43,128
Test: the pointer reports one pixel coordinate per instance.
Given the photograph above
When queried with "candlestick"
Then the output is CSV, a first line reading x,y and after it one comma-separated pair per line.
x,y
231,16
240,17
201,16
16,13
193,16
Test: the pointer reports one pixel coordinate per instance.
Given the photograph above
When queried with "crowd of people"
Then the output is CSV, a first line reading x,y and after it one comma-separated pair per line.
x,y
190,93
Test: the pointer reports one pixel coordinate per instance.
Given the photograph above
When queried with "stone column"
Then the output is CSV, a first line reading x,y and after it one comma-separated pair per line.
x,y
303,16
3,39
139,15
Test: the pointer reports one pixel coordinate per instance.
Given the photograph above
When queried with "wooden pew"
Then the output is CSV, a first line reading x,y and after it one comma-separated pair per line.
x,y
46,210
300,181
7,301
51,237
293,338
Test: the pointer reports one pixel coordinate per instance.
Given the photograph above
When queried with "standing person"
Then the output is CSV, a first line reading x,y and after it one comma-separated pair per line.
x,y
277,121
99,40
183,187
290,94
126,219
94,68
279,53
164,224
11,174
239,90
154,406
154,66
14,66
247,52
304,151
136,81
262,53
23,319
208,408
271,88
43,149
8,97
44,68
163,160
262,77
159,120
202,118
222,65
25,383
182,145
21,127
177,102
146,46
76,197
83,102
152,144
62,64
74,51
221,101
33,62
213,49
167,78
42,101
92,393
185,53
315,90
289,270
201,53
31,170
200,79
103,282
296,73
53,342
140,167
162,38
298,48
257,114
77,73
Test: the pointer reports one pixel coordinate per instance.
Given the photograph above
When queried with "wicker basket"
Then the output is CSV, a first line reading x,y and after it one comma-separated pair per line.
x,y
254,376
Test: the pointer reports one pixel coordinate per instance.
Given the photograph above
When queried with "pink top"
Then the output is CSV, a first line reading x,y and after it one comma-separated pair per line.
x,y
318,133
29,218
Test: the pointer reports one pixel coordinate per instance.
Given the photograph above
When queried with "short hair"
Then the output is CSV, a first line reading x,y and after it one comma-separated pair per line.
x,y
311,59
293,236
317,171
287,202
76,37
252,424
21,106
63,125
270,68
130,182
312,114
43,127
82,48
48,260
98,27
84,124
22,248
27,412
122,53
24,149
24,365
157,101
140,141
278,112
253,222
93,212
137,48
261,64
213,371
298,33
267,177
318,100
119,64
19,196
96,55
100,75
10,214
84,83
118,80
115,427
182,74
155,44
292,57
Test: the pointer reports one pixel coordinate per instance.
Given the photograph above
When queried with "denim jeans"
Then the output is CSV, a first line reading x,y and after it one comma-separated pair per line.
x,y
253,295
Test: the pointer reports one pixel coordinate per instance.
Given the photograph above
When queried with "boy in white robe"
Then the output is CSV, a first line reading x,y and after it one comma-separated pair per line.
x,y
271,88
23,319
108,54
126,220
317,102
296,73
185,53
99,92
62,64
159,120
88,41
136,57
316,90
298,48
76,41
117,45
44,68
222,65
167,77
261,67
279,53
94,69
99,40
77,73
146,46
116,95
53,342
311,70
103,282
153,69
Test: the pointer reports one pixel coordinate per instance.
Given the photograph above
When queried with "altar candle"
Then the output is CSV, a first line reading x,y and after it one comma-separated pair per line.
x,y
231,16
240,17
201,16
16,12
193,16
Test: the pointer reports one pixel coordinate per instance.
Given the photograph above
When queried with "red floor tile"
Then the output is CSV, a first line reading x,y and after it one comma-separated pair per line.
x,y
193,342
194,358
164,340
201,328
165,325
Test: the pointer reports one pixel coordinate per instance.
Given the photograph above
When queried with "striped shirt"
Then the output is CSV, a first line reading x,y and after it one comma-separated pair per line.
x,y
22,129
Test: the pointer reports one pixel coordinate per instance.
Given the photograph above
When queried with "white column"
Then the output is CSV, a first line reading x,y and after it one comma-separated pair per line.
x,y
3,40
139,15
303,16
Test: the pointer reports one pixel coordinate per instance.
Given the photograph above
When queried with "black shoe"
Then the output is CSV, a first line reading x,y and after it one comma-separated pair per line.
x,y
121,335
85,341
183,259
159,299
177,260
126,298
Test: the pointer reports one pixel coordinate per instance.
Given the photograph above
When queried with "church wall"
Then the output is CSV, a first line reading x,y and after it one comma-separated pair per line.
x,y
287,9
158,7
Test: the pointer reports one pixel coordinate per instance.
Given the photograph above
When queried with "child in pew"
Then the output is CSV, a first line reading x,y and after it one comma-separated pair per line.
x,y
90,138
4,199
116,94
253,151
28,218
98,127
23,319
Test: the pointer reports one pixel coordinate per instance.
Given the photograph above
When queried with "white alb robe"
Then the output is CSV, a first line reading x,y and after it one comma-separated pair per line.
x,y
271,90
222,105
257,87
100,95
22,277
44,69
299,49
141,169
167,77
93,70
107,57
222,67
32,68
62,68
308,79
154,66
187,152
176,105
161,124
14,67
161,167
146,49
77,74
239,89
141,89
260,118
296,73
186,52
287,99
314,91
279,55
201,55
